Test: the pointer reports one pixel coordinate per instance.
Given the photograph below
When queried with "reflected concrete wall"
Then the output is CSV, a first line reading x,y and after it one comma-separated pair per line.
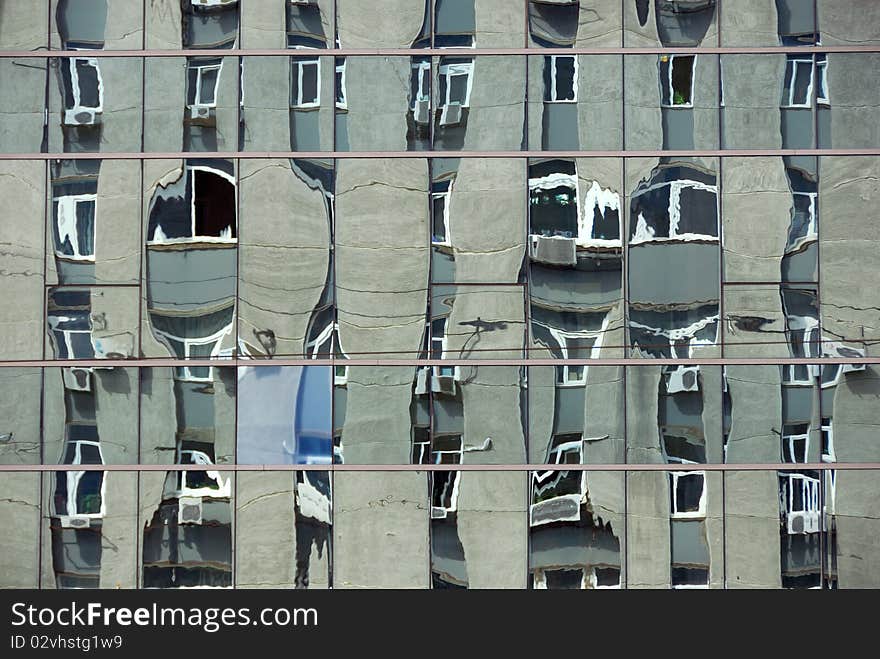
x,y
377,516
382,216
21,319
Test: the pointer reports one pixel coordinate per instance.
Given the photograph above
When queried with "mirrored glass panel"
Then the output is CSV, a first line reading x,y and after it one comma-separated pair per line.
x,y
382,220
90,415
675,529
95,25
95,103
195,24
23,25
479,103
774,529
283,530
188,417
23,104
849,193
190,263
287,102
382,24
284,415
22,314
654,23
674,414
674,257
478,221
577,529
99,322
21,393
20,509
574,23
575,102
478,529
93,235
186,522
381,415
89,526
477,322
576,414
192,103
575,258
286,292
671,101
377,515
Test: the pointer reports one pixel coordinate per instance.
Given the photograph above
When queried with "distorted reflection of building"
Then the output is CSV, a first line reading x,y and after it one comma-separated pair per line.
x,y
284,415
673,249
191,255
575,523
288,305
209,26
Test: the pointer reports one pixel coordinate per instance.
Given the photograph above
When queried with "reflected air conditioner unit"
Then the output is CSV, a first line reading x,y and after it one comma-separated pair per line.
x,y
422,380
683,378
189,510
803,521
553,250
199,112
564,508
80,117
77,378
451,114
74,522
112,347
443,384
312,503
422,111
438,512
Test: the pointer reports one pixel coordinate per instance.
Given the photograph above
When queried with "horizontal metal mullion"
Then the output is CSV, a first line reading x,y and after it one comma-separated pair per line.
x,y
771,466
450,52
325,155
623,361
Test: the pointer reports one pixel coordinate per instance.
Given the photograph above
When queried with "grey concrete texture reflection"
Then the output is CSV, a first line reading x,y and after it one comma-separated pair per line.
x,y
554,529
563,257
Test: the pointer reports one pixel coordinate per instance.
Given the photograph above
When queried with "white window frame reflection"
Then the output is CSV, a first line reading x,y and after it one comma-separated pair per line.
x,y
74,478
297,100
201,69
811,234
810,508
667,85
450,456
449,71
159,237
76,92
562,337
793,65
823,95
223,489
446,195
66,208
440,344
185,373
788,447
674,477
314,351
67,335
553,95
679,334
645,233
339,81
423,90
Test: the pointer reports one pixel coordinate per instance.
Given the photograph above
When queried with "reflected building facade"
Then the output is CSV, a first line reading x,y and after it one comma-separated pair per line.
x,y
607,311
